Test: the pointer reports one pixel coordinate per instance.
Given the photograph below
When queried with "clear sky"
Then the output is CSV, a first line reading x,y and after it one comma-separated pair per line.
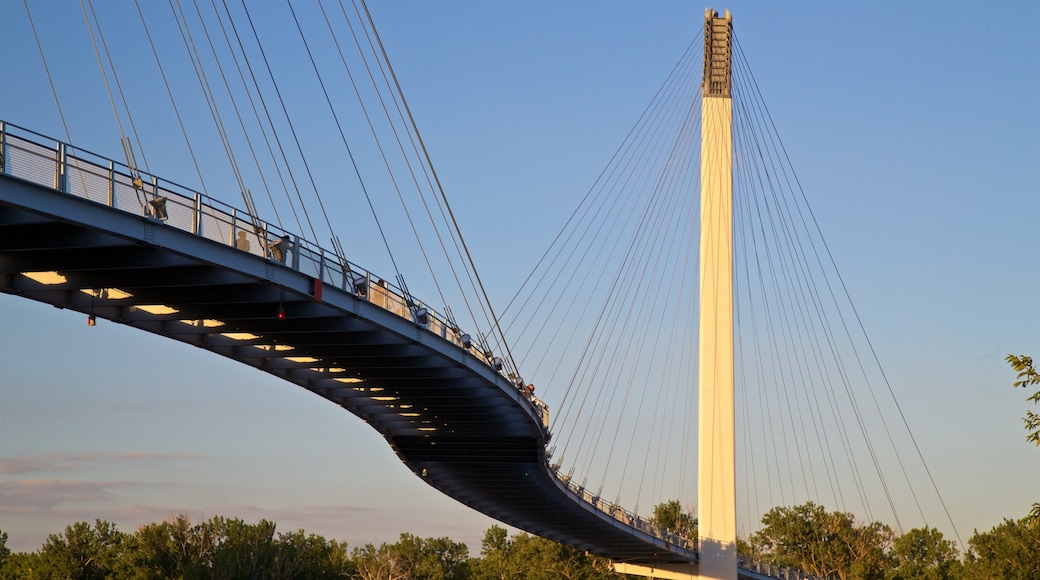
x,y
915,131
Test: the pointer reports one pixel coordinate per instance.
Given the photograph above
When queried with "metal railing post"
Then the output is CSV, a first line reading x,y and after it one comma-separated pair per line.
x,y
296,253
111,184
234,224
196,215
59,173
3,147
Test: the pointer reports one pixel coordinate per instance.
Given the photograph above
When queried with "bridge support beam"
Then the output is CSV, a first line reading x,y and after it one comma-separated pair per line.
x,y
659,571
716,486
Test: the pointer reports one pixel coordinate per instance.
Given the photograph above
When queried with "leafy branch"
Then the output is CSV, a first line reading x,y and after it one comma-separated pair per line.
x,y
1028,377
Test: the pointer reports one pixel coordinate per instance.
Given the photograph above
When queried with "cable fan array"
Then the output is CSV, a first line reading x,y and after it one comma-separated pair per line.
x,y
607,327
299,105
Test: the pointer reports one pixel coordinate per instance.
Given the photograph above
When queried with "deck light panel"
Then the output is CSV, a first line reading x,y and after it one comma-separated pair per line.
x,y
107,293
48,278
157,309
240,335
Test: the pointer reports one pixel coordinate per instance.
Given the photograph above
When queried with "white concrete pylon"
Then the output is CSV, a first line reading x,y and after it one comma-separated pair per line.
x,y
716,486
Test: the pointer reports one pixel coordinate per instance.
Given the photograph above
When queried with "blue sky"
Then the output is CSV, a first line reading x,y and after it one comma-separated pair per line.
x,y
915,131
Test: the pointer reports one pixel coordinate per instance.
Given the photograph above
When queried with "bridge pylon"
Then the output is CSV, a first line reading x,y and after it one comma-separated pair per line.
x,y
716,472
716,487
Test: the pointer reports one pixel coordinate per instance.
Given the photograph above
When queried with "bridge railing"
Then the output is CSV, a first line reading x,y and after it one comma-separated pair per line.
x,y
39,159
775,571
624,516
633,520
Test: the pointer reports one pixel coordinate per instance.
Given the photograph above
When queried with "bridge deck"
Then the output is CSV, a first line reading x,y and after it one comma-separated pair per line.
x,y
465,428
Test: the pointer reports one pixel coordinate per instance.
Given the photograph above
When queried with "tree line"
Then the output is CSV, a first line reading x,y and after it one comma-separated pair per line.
x,y
806,537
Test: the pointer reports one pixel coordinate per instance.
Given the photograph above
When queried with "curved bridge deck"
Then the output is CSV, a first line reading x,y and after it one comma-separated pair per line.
x,y
76,233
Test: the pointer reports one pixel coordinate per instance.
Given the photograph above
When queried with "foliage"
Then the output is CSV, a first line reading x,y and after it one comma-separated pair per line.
x,y
671,516
923,554
1027,377
805,537
22,566
526,557
230,548
1010,551
413,558
224,548
810,538
84,552
302,555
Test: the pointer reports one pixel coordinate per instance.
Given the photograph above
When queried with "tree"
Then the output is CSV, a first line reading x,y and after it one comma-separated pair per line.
x,y
923,554
175,548
22,566
1010,551
527,557
497,560
243,550
671,516
413,558
301,555
822,543
84,552
1028,377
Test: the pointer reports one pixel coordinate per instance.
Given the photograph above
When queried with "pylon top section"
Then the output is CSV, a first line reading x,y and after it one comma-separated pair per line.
x,y
718,43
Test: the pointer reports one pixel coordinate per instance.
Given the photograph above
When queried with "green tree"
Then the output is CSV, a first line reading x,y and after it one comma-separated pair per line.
x,y
671,516
497,558
811,539
527,557
413,558
84,552
923,554
1010,551
23,566
176,548
243,550
1028,377
231,548
301,555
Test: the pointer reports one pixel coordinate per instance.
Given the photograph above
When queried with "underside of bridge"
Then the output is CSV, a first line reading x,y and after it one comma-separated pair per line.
x,y
451,418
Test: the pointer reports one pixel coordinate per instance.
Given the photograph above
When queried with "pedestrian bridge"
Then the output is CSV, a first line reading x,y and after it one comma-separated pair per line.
x,y
79,232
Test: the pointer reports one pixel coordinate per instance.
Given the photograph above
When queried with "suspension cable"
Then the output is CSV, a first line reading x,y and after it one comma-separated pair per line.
x,y
440,189
169,92
50,80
